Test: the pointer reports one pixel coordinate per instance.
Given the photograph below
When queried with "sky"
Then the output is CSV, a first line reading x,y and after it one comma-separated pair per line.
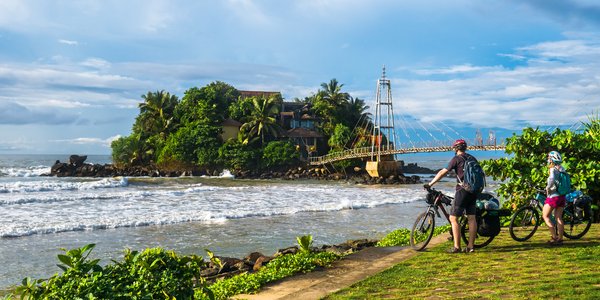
x,y
72,72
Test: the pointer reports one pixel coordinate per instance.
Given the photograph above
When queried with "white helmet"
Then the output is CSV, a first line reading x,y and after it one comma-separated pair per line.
x,y
554,157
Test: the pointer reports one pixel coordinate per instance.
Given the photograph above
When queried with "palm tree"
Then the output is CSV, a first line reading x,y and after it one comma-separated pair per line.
x,y
332,93
156,113
262,122
355,111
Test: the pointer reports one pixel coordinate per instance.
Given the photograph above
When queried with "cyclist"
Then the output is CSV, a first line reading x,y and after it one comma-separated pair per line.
x,y
463,200
554,201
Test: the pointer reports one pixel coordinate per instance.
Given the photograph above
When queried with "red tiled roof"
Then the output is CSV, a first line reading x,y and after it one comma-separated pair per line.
x,y
231,122
247,94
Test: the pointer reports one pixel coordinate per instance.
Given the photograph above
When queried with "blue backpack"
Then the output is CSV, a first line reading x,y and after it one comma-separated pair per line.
x,y
474,178
563,183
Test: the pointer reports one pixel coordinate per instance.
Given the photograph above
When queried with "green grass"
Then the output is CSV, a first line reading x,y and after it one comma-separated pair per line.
x,y
503,269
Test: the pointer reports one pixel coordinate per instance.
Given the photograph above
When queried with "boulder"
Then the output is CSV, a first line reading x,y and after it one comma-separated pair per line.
x,y
77,160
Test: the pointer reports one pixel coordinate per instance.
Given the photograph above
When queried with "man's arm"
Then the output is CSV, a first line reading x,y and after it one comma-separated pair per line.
x,y
438,176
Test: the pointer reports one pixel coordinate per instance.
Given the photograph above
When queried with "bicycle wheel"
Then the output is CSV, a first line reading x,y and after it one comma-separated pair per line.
x,y
422,230
524,223
578,222
480,240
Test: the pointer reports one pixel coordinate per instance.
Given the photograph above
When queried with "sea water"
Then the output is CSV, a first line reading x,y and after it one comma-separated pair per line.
x,y
39,215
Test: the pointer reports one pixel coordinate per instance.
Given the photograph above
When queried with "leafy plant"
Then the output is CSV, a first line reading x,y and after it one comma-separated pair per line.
x,y
150,274
278,268
401,237
305,242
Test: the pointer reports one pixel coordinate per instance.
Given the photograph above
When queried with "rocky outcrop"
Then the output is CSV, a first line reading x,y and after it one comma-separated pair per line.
x,y
78,168
254,261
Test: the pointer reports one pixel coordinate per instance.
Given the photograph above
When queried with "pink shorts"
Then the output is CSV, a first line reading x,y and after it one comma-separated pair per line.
x,y
556,201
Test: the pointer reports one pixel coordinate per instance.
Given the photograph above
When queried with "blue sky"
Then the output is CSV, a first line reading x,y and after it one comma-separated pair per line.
x,y
73,72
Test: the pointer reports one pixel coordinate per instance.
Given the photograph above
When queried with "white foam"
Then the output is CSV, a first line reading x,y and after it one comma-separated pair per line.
x,y
34,171
51,185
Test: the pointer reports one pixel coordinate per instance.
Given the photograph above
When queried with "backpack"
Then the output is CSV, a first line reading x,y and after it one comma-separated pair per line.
x,y
563,183
489,223
474,178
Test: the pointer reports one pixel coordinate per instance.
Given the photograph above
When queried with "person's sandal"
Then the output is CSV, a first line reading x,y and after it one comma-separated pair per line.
x,y
454,250
554,241
469,250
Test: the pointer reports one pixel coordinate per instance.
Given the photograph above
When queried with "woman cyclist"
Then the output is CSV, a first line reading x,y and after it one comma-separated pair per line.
x,y
554,201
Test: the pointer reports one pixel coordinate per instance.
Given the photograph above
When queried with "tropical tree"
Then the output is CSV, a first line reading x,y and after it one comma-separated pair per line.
x,y
355,112
332,93
207,105
156,113
279,154
193,143
262,123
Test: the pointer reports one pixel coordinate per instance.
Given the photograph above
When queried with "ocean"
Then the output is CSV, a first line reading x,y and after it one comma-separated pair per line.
x,y
40,215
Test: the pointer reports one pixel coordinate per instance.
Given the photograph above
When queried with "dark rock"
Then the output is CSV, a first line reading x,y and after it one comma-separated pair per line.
x,y
260,262
289,250
229,264
77,160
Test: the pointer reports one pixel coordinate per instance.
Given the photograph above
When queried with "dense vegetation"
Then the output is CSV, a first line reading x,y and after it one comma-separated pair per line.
x,y
186,133
526,169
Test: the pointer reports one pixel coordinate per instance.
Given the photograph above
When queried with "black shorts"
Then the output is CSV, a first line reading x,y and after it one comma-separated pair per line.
x,y
463,201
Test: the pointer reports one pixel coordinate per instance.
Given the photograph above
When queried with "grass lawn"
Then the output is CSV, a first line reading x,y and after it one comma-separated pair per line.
x,y
503,269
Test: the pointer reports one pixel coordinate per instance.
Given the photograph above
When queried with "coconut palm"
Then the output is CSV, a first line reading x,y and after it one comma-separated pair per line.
x,y
332,93
156,113
262,122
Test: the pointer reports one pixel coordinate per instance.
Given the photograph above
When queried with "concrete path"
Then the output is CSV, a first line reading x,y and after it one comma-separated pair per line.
x,y
353,268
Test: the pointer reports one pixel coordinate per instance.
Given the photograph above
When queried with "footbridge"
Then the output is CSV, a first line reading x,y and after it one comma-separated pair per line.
x,y
369,152
417,137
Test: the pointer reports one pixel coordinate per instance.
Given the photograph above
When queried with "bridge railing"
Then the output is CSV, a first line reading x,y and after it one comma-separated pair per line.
x,y
368,151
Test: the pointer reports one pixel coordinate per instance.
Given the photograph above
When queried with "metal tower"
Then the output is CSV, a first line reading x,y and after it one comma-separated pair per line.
x,y
384,135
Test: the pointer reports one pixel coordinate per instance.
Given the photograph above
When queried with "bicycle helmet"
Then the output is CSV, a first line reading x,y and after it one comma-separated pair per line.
x,y
554,157
459,144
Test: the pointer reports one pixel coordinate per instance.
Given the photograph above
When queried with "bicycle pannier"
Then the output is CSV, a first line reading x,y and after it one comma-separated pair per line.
x,y
489,223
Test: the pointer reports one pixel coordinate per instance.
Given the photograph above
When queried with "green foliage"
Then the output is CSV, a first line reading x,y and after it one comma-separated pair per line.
x,y
234,155
305,242
125,149
151,274
401,237
341,138
278,268
526,167
279,154
207,105
240,110
261,124
196,143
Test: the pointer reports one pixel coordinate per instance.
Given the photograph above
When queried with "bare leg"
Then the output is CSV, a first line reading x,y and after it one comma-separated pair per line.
x,y
455,231
546,211
472,230
560,224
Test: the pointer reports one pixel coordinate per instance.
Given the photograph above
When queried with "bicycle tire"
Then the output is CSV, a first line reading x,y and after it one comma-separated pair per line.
x,y
523,223
480,240
576,228
422,230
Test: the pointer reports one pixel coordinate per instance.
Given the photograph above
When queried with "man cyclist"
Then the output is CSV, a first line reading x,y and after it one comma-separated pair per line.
x,y
463,200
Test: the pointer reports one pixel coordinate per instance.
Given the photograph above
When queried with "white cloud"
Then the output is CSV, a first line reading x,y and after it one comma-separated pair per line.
x,y
468,68
90,141
68,42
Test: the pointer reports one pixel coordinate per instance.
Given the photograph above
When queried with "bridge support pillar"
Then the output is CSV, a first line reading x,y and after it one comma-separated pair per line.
x,y
382,168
